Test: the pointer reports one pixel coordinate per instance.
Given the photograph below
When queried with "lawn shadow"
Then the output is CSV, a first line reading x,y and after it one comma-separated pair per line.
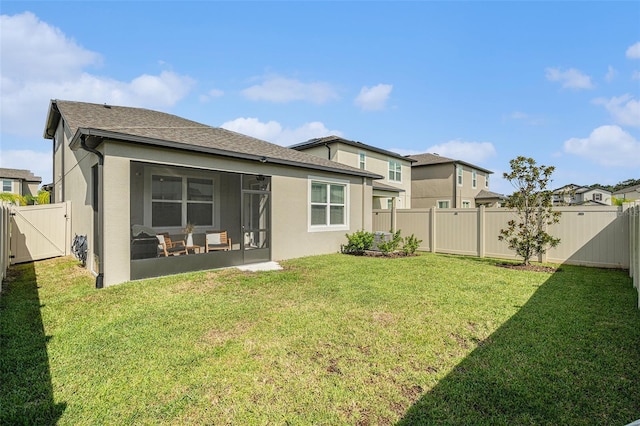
x,y
570,355
26,391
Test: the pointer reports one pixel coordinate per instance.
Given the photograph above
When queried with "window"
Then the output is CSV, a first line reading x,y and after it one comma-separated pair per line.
x,y
443,204
7,186
597,197
328,204
474,179
363,158
466,204
395,171
486,181
176,200
459,171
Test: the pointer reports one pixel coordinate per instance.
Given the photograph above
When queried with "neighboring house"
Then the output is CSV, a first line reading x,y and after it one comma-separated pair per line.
x,y
21,182
629,193
132,174
395,168
572,194
442,182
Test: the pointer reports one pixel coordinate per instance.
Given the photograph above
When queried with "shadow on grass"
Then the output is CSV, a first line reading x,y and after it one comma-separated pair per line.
x,y
26,392
569,356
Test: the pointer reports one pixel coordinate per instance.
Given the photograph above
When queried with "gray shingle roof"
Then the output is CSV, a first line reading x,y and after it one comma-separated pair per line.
x,y
484,194
430,159
628,189
311,143
25,175
385,187
146,126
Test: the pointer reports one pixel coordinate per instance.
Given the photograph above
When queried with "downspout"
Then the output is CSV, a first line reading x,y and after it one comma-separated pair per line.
x,y
329,148
83,144
455,185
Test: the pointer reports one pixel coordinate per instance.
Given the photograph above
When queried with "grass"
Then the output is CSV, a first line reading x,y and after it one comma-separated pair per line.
x,y
333,339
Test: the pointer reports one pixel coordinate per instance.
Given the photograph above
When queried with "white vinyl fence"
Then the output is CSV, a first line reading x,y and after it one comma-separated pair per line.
x,y
634,245
5,221
590,235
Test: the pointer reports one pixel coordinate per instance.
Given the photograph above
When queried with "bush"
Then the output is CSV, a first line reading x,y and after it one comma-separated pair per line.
x,y
358,242
16,199
387,247
411,244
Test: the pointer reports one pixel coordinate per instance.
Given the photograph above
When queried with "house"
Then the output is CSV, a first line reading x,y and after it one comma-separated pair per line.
x,y
137,177
395,168
442,182
18,181
630,193
572,194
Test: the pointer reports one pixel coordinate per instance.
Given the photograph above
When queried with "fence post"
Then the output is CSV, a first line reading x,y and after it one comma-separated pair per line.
x,y
432,243
481,230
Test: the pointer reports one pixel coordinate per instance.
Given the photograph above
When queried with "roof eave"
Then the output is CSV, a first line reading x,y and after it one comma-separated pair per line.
x,y
53,118
105,134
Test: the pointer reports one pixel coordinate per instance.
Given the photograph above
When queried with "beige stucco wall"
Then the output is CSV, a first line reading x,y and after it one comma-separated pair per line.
x,y
289,200
375,163
438,182
72,182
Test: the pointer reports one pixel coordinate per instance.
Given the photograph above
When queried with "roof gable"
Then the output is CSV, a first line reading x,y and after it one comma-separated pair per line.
x,y
312,143
144,126
428,159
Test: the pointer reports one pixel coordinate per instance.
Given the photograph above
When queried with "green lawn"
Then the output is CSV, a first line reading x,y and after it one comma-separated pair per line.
x,y
333,339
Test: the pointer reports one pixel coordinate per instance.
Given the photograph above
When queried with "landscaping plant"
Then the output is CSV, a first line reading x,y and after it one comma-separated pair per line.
x,y
358,242
533,205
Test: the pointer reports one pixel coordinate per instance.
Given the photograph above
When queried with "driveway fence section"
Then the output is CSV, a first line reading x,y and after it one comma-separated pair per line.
x,y
5,226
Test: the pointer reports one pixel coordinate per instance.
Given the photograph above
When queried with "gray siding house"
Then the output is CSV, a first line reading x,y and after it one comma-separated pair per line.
x,y
139,180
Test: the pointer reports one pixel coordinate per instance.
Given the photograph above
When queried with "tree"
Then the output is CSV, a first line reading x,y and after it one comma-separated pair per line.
x,y
533,204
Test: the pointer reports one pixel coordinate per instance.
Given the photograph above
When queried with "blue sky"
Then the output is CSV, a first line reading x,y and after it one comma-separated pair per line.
x,y
477,81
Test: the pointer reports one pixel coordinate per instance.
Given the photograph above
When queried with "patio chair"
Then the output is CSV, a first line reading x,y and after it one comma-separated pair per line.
x,y
217,240
170,248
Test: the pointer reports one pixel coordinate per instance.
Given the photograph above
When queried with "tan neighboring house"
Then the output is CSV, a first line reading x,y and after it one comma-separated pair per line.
x,y
576,195
395,168
442,182
18,181
630,193
132,174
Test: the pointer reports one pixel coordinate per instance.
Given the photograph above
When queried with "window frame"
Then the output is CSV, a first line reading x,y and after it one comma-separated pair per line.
x,y
474,179
327,226
362,160
448,202
394,167
459,175
466,204
486,180
4,185
596,196
184,202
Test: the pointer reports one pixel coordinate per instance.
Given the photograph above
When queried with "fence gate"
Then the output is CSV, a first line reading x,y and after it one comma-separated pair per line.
x,y
40,232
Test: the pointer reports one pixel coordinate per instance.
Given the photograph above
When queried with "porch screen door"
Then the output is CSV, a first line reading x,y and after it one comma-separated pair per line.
x,y
256,224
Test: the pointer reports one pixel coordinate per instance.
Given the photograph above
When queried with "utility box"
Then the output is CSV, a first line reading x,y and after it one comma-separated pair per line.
x,y
380,237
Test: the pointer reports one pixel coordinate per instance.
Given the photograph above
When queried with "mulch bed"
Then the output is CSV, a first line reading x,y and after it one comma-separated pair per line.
x,y
532,268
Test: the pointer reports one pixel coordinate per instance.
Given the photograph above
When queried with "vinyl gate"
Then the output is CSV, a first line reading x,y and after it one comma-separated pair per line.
x,y
40,232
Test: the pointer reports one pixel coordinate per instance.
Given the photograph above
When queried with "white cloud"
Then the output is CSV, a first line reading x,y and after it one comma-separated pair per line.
x,y
473,152
39,162
608,146
570,79
40,63
611,74
211,94
373,98
624,109
633,52
273,131
525,118
282,90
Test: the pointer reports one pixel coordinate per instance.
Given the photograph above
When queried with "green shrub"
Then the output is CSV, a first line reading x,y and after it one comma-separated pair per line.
x,y
16,199
358,242
411,244
387,247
